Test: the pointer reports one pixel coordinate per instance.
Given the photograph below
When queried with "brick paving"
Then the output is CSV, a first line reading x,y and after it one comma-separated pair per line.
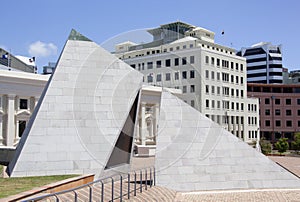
x,y
290,163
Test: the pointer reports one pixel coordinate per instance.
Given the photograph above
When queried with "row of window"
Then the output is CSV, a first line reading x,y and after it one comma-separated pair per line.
x,y
212,104
277,101
225,91
225,77
277,112
288,123
224,63
23,103
164,63
184,75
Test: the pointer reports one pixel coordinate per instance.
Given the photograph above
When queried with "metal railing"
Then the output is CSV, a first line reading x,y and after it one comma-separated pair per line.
x,y
106,189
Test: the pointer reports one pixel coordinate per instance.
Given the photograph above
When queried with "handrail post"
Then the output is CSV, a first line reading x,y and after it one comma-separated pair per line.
x,y
141,181
121,181
134,183
102,191
154,175
112,189
75,196
150,177
128,190
146,180
90,193
57,199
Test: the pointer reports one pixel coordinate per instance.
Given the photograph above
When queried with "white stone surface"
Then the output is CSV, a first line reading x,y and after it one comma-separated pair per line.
x,y
80,116
194,153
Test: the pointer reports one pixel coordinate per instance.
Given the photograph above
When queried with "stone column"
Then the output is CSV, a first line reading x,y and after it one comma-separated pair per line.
x,y
155,121
10,120
143,126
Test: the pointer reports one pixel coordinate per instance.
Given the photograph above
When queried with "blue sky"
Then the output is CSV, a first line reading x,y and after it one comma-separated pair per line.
x,y
40,28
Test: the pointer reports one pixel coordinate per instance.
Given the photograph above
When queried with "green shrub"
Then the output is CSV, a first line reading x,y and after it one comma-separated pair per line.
x,y
282,145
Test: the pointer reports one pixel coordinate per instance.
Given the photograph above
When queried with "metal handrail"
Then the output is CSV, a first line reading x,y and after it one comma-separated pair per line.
x,y
101,180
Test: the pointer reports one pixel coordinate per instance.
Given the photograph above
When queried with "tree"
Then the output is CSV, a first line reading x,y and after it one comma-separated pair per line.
x,y
265,146
296,142
282,145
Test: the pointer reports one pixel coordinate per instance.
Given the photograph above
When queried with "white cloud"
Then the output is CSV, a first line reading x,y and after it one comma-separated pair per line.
x,y
41,49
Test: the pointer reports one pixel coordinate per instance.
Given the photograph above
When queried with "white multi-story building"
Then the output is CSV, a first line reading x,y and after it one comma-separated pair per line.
x,y
264,63
19,94
212,77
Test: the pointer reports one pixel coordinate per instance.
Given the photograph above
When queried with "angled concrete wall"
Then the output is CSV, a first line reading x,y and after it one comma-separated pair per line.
x,y
80,115
194,153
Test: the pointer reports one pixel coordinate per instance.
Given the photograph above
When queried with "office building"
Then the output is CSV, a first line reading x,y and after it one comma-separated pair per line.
x,y
211,76
264,63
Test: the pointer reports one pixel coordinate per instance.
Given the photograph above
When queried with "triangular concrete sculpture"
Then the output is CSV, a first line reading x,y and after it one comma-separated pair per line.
x,y
194,153
80,115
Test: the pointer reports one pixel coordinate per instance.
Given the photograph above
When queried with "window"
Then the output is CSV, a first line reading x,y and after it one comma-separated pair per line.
x,y
213,89
242,80
267,123
133,66
207,88
206,74
212,61
192,88
192,59
288,123
237,80
298,112
277,123
232,79
23,104
192,74
267,101
236,66
242,67
237,106
277,101
193,103
237,93
288,101
22,126
213,104
232,92
232,105
218,104
171,49
267,112
184,61
225,77
242,93
158,77
176,61
176,75
206,59
218,90
218,76
288,112
231,65
184,75
242,106
150,78
184,46
183,89
207,103
277,112
218,62
168,62
158,64
150,65
213,75
298,101
168,76
177,47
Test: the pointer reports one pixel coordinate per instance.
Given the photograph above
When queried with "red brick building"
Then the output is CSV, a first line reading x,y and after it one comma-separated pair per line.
x,y
279,109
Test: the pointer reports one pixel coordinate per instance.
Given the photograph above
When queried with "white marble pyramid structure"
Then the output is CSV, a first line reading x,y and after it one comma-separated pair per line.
x,y
194,153
83,115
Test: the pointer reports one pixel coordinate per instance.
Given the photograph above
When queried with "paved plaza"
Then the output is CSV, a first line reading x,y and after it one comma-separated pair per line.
x,y
158,193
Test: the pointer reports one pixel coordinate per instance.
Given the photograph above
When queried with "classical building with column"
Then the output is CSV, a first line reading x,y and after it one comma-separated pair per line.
x,y
19,94
213,79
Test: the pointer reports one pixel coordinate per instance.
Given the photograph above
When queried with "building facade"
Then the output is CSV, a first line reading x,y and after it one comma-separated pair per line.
x,y
19,94
212,77
264,63
279,109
